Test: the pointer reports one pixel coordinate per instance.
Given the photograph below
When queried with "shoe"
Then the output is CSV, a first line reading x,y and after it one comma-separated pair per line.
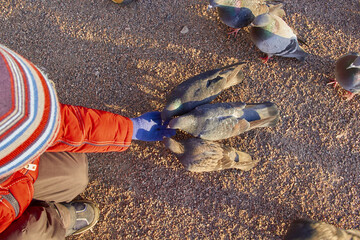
x,y
83,216
123,2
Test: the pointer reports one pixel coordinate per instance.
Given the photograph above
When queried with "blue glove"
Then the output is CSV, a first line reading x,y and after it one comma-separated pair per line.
x,y
148,127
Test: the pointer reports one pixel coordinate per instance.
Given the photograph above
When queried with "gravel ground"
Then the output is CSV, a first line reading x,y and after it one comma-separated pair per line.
x,y
126,60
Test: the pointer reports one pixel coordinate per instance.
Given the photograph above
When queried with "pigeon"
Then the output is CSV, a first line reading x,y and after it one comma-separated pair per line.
x,y
347,74
224,120
312,230
238,13
198,155
273,36
201,89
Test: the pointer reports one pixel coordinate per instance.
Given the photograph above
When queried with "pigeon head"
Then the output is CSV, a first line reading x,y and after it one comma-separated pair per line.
x,y
172,109
347,73
174,105
262,20
185,123
173,145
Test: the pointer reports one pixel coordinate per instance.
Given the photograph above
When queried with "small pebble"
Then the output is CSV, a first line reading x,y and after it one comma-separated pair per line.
x,y
184,30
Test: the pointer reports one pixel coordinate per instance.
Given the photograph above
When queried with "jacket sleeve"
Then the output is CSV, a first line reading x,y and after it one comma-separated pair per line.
x,y
89,130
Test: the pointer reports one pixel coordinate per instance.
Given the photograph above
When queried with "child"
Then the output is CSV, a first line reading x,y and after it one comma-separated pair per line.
x,y
42,152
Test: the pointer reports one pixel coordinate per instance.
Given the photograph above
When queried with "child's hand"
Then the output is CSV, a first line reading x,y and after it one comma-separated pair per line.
x,y
148,127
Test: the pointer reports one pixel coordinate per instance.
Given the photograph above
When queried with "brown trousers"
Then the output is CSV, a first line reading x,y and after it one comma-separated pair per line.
x,y
62,176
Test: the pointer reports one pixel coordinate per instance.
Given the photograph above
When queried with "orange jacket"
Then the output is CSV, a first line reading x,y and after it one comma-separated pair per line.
x,y
81,130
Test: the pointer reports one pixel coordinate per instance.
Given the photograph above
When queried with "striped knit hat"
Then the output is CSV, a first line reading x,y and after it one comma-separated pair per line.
x,y
29,114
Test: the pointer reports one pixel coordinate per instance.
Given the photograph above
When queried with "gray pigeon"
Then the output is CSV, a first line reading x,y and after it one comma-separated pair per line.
x,y
198,155
238,13
273,36
225,120
201,89
312,230
347,73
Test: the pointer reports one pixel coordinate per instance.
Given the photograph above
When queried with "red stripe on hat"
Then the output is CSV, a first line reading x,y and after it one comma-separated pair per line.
x,y
26,103
38,131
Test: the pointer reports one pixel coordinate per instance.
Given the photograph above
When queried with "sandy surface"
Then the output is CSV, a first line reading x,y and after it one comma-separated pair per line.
x,y
126,59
